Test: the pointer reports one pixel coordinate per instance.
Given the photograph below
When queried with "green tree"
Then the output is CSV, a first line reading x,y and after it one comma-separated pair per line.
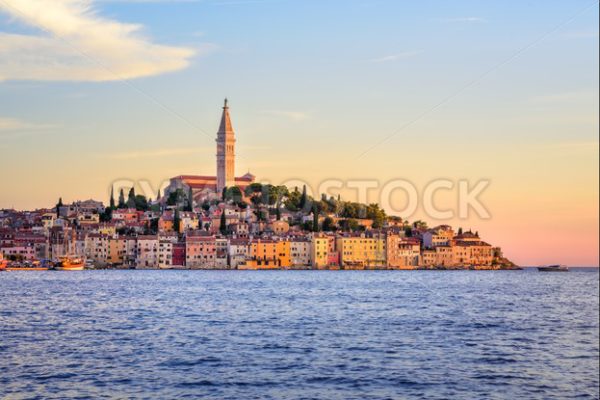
x,y
253,189
122,199
175,197
176,221
141,203
303,198
460,230
190,200
376,214
223,223
234,194
58,206
278,213
292,202
131,198
224,194
350,224
328,224
420,224
154,225
106,216
315,211
277,194
112,198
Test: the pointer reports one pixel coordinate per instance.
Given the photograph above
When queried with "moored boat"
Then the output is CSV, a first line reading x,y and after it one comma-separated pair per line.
x,y
554,268
3,262
70,264
25,266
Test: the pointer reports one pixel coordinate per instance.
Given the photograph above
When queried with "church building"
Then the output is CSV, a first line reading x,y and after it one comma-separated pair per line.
x,y
208,186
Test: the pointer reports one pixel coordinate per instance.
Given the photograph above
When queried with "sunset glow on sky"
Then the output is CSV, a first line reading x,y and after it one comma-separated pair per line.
x,y
100,91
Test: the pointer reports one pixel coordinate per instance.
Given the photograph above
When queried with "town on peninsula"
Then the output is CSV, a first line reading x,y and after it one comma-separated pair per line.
x,y
229,222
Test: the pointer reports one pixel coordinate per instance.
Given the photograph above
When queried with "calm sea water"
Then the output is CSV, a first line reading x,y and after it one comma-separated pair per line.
x,y
299,334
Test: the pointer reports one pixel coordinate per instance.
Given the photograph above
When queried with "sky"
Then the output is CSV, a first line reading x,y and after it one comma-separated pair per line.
x,y
96,93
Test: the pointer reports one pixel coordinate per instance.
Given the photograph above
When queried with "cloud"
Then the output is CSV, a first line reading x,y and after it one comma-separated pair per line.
x,y
79,45
293,115
395,57
566,97
150,1
156,153
13,126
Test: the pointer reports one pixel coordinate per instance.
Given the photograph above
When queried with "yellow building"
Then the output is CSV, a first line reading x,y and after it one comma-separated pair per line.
x,y
472,253
283,249
362,252
262,254
116,251
107,228
319,251
165,223
444,256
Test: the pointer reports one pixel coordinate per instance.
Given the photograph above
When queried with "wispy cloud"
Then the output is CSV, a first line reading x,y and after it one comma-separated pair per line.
x,y
156,153
292,115
14,126
395,57
566,97
149,1
462,19
169,152
80,45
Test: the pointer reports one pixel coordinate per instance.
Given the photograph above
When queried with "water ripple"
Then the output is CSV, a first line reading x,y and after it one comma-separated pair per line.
x,y
299,335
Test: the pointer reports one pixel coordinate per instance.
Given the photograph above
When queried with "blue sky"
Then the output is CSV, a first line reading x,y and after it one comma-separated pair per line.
x,y
506,91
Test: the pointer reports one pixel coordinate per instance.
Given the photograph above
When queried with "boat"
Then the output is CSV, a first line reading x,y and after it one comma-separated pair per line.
x,y
3,262
25,266
554,268
70,264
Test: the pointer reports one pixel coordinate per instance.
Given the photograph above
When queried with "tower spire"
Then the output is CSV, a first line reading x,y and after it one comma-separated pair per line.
x,y
225,151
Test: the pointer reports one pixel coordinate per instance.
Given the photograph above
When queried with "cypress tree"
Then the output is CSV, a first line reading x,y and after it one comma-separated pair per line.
x,y
112,198
131,198
121,199
315,226
58,206
303,197
223,224
278,213
176,221
190,200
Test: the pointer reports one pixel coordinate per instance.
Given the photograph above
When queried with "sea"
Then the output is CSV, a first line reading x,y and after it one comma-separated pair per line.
x,y
299,334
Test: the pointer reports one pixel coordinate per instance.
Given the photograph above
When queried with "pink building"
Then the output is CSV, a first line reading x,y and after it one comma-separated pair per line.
x,y
200,252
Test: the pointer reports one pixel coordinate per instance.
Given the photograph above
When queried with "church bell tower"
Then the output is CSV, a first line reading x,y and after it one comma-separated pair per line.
x,y
225,152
